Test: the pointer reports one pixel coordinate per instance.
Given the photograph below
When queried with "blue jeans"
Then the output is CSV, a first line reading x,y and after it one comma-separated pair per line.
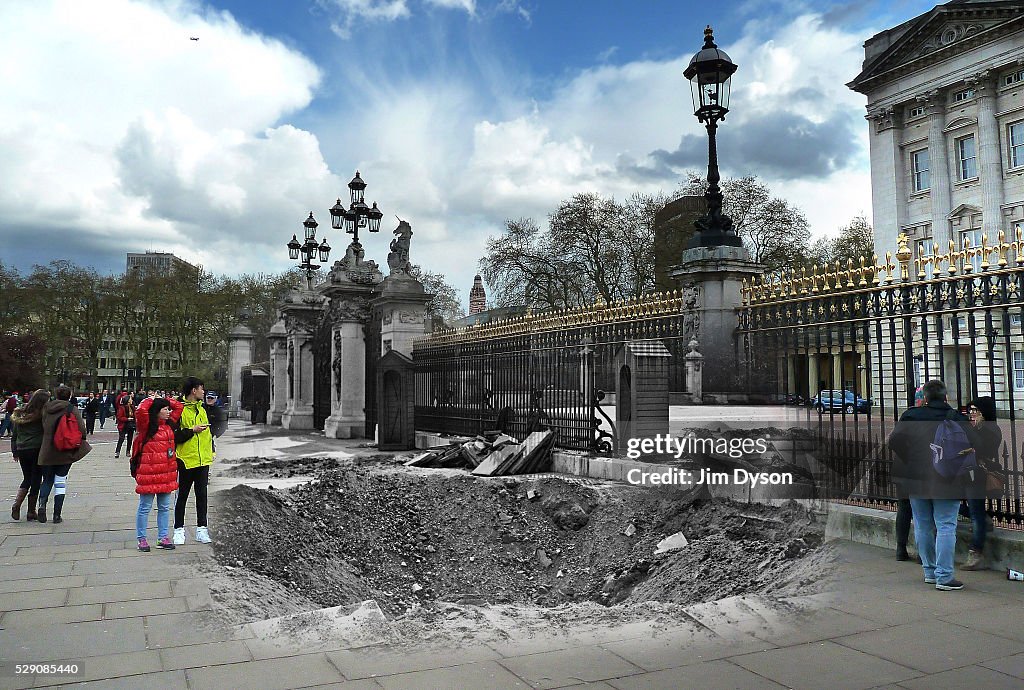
x,y
979,526
5,425
163,515
935,532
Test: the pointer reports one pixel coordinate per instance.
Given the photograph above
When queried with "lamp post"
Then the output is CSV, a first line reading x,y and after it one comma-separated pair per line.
x,y
310,250
358,215
710,73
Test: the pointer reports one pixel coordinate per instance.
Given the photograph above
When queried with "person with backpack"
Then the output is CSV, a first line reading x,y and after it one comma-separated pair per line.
x,y
26,439
124,411
982,414
63,444
933,446
194,446
155,469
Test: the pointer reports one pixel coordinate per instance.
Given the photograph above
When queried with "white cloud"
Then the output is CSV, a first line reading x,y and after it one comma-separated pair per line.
x,y
118,125
351,11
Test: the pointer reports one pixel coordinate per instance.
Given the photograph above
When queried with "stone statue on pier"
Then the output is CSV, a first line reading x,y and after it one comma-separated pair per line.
x,y
398,259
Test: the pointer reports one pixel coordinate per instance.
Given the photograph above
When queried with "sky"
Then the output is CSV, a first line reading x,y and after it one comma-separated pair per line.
x,y
119,133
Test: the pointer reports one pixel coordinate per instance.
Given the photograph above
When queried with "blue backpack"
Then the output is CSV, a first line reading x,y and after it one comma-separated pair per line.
x,y
948,457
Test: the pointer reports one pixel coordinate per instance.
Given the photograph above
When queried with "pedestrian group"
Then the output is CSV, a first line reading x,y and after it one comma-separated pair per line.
x,y
169,440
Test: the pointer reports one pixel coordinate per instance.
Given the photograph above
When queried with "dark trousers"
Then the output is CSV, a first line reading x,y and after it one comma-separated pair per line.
x,y
104,413
125,432
187,479
904,515
90,424
975,509
30,470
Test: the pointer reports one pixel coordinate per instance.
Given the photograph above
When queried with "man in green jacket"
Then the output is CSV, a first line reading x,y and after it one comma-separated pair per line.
x,y
194,448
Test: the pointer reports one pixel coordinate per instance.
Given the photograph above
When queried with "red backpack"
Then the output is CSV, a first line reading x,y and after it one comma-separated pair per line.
x,y
67,435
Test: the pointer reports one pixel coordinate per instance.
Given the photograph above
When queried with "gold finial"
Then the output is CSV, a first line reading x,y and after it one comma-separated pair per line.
x,y
1003,247
903,255
1018,248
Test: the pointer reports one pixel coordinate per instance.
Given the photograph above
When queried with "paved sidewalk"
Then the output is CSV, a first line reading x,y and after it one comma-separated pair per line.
x,y
81,593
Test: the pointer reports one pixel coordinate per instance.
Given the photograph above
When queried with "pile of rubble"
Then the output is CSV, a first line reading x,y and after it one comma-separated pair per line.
x,y
493,454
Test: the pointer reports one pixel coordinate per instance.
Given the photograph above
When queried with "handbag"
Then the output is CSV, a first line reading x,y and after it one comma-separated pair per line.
x,y
133,464
995,479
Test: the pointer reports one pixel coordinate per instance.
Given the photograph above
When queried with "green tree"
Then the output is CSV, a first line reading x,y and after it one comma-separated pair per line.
x,y
856,239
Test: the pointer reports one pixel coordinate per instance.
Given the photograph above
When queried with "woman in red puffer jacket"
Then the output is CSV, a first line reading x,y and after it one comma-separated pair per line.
x,y
155,469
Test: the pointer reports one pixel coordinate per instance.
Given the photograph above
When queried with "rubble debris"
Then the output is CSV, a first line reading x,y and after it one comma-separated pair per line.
x,y
493,455
671,543
630,530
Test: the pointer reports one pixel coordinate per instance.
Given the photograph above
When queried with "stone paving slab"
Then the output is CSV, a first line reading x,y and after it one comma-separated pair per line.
x,y
570,667
932,646
273,674
485,674
713,674
1010,665
824,665
965,677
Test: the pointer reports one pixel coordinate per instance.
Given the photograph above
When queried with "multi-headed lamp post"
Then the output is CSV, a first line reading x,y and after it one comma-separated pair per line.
x,y
358,215
710,74
310,250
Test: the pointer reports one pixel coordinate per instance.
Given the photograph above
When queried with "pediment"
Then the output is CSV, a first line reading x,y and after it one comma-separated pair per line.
x,y
963,210
943,31
960,122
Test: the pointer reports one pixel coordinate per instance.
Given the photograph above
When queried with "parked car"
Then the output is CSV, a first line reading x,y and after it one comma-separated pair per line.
x,y
844,401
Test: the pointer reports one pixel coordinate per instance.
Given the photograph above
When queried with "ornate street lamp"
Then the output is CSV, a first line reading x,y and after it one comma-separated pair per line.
x,y
310,249
358,215
710,74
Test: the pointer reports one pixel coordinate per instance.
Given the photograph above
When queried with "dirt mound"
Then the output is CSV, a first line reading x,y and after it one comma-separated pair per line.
x,y
303,466
406,538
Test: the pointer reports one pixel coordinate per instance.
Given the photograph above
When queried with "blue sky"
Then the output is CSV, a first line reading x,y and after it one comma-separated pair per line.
x,y
117,133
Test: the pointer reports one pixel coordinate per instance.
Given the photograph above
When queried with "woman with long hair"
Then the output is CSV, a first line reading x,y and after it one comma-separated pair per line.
x,y
155,468
27,430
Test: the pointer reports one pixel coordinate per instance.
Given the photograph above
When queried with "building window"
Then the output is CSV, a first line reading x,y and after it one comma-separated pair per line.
x,y
1016,141
1015,320
967,154
964,95
920,164
916,111
924,247
974,237
1013,77
1018,370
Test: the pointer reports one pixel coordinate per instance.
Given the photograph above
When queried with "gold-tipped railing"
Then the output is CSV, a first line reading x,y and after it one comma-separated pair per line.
x,y
874,273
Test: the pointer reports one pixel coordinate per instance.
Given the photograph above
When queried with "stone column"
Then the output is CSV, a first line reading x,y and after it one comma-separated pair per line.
x,y
990,169
711,278
349,289
301,310
278,372
240,350
401,302
888,178
938,164
694,362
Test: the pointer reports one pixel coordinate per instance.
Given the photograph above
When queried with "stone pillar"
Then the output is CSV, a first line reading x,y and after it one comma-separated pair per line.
x,y
694,362
402,303
938,164
711,278
240,350
888,178
301,311
278,373
349,290
990,169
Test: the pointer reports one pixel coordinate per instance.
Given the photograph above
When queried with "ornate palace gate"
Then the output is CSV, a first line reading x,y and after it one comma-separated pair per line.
x,y
322,372
371,334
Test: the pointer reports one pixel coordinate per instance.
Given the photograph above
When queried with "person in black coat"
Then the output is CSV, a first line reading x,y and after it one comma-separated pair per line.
x,y
982,413
934,499
92,409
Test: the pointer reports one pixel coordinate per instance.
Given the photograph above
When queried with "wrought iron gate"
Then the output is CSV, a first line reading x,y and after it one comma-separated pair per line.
x,y
371,338
321,373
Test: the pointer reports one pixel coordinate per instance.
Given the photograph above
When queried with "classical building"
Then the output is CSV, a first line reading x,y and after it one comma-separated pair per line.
x,y
945,108
945,104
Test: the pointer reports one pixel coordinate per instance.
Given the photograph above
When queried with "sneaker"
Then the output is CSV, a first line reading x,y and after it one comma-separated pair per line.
x,y
975,561
929,580
951,585
165,543
203,535
143,545
179,536
117,455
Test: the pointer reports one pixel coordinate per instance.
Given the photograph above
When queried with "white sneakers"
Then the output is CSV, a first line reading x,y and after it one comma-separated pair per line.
x,y
202,535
